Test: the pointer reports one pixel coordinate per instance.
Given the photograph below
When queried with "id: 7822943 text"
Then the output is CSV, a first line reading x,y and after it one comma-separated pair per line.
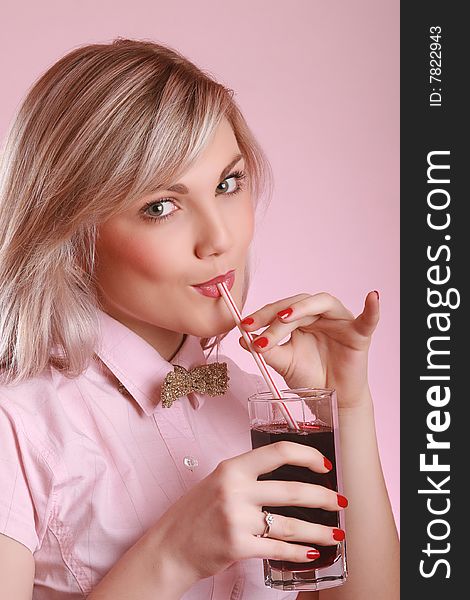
x,y
435,66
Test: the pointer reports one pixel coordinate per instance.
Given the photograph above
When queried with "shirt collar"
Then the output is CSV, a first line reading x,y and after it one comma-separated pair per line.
x,y
139,367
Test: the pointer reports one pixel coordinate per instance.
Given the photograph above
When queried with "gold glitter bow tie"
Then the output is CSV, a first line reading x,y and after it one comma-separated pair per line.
x,y
211,379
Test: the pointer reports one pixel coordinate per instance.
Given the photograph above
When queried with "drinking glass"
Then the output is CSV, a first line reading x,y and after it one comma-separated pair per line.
x,y
315,412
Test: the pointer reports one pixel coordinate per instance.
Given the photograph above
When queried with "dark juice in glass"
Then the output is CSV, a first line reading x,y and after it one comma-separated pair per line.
x,y
316,436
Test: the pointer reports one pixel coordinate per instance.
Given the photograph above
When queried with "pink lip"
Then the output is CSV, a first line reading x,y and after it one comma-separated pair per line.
x,y
209,288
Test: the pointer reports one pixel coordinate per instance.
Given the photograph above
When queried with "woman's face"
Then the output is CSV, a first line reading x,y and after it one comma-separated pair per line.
x,y
146,266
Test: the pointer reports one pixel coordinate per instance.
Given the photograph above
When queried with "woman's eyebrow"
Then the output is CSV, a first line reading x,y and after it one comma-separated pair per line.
x,y
179,188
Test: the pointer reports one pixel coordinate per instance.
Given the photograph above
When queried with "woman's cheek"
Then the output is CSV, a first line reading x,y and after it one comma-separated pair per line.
x,y
245,222
134,254
146,261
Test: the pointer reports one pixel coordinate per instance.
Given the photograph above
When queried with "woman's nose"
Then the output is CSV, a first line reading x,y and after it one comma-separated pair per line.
x,y
213,235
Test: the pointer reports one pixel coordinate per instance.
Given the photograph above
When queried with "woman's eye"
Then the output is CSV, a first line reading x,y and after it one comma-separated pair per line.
x,y
157,209
227,189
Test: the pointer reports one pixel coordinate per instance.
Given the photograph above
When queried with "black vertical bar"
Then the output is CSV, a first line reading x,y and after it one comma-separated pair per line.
x,y
434,269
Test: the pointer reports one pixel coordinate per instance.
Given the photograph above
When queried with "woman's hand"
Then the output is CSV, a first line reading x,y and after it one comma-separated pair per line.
x,y
328,346
219,520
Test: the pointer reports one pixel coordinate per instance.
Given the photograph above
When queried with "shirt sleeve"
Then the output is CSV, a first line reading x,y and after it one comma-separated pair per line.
x,y
26,490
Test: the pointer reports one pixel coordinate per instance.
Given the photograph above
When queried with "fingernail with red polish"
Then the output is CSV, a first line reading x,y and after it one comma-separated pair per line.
x,y
378,295
338,535
282,314
342,501
313,554
248,321
327,463
261,342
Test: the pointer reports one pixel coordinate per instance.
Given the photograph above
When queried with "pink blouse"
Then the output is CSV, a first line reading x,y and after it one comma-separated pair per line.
x,y
87,465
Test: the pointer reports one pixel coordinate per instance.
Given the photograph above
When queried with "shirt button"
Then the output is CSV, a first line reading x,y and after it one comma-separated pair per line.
x,y
190,462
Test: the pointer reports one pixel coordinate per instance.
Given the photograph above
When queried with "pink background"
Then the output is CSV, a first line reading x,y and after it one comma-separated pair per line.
x,y
319,84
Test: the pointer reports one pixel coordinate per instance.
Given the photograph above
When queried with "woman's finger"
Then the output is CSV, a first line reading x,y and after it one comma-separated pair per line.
x,y
267,313
272,549
321,304
276,332
267,458
367,321
296,493
289,529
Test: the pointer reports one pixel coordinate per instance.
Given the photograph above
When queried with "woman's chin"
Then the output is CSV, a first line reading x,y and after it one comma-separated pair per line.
x,y
215,329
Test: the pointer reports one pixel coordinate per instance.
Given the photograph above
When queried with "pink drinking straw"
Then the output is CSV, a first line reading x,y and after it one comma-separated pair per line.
x,y
224,292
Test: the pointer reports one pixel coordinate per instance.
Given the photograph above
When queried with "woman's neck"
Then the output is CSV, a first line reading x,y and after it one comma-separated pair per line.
x,y
178,349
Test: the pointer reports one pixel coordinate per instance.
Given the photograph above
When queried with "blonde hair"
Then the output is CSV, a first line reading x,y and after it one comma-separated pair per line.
x,y
118,120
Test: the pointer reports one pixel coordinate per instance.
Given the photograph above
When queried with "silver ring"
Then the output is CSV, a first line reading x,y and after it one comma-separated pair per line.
x,y
268,519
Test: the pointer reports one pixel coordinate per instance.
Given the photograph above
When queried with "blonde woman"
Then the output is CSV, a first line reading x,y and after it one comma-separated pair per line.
x,y
129,177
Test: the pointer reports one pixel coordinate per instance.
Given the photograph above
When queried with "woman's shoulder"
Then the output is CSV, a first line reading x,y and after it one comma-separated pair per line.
x,y
34,409
31,393
30,463
27,392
